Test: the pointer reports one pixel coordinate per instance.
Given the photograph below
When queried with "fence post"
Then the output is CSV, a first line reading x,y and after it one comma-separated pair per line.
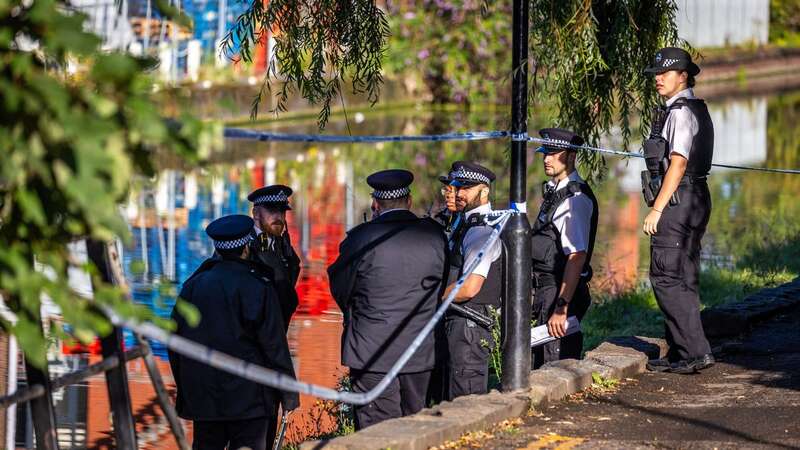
x,y
42,412
117,277
517,313
116,379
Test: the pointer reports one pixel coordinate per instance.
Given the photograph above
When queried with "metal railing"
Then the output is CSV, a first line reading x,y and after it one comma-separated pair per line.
x,y
40,386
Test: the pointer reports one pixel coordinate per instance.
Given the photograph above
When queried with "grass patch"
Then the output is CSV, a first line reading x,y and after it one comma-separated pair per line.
x,y
636,312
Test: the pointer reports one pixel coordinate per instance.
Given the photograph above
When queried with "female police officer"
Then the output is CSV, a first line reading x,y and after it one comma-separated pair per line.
x,y
678,155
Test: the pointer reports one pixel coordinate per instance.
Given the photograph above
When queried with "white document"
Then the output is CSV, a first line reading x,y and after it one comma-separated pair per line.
x,y
539,335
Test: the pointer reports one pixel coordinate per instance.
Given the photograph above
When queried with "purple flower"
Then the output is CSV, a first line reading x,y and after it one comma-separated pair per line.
x,y
423,54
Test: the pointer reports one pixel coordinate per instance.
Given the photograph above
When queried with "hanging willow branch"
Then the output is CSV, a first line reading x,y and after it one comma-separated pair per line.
x,y
318,46
589,57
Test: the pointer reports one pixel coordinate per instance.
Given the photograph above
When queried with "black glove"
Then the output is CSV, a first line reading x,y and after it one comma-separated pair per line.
x,y
290,400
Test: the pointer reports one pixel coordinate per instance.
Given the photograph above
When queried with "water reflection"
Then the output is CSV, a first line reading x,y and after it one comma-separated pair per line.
x,y
167,218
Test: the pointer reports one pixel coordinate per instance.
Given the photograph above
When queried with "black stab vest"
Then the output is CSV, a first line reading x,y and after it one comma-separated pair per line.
x,y
548,255
492,290
702,151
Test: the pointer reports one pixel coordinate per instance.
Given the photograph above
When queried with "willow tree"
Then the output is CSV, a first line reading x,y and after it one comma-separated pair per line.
x,y
70,145
587,56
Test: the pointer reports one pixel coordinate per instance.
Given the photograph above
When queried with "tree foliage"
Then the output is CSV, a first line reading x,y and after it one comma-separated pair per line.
x,y
459,48
69,147
589,56
319,45
784,22
586,56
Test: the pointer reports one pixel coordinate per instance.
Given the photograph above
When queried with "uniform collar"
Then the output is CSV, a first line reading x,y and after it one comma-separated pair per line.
x,y
686,93
391,210
483,209
573,176
394,215
258,233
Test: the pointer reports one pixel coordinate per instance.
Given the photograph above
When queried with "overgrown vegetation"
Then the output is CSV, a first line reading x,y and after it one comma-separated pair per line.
x,y
784,22
588,56
69,147
636,312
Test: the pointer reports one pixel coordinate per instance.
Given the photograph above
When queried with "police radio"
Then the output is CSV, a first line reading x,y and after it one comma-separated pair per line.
x,y
656,151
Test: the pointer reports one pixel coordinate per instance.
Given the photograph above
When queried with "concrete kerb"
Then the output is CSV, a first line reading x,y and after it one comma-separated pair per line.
x,y
616,358
737,317
622,357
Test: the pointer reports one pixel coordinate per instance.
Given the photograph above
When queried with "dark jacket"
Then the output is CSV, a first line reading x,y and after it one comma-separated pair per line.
x,y
387,281
240,316
284,265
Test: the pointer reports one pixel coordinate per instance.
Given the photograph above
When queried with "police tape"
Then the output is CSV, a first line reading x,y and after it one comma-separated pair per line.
x,y
258,135
272,378
639,155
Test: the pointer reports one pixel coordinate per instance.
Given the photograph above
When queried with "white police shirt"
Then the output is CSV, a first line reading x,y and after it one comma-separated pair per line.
x,y
573,217
475,238
681,126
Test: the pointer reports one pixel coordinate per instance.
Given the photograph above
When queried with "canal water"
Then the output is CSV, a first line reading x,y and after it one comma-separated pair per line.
x,y
167,216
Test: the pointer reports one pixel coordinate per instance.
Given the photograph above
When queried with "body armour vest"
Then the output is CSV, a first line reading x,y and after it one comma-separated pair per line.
x,y
548,254
491,291
702,150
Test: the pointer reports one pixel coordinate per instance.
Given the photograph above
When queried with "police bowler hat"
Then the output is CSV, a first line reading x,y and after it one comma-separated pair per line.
x,y
672,58
230,232
468,173
390,184
560,139
274,196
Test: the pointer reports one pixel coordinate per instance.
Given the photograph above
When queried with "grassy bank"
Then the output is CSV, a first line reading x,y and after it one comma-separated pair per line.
x,y
636,313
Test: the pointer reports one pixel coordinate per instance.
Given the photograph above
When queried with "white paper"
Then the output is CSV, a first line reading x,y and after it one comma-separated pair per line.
x,y
539,335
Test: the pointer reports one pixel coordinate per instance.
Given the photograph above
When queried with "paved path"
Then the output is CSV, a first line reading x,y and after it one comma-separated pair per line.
x,y
749,400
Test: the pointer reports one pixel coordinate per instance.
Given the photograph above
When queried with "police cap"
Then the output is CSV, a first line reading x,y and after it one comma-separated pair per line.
x,y
230,232
390,184
672,58
274,196
560,140
468,173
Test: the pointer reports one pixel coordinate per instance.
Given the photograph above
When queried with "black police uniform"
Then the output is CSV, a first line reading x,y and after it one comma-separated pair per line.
x,y
387,281
240,316
276,252
469,344
549,260
675,247
438,391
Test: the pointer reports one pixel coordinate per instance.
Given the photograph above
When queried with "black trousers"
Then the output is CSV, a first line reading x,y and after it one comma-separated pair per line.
x,y
469,346
544,304
437,388
404,396
232,434
675,269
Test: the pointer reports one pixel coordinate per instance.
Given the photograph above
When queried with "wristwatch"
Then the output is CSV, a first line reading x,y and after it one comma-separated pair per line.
x,y
561,302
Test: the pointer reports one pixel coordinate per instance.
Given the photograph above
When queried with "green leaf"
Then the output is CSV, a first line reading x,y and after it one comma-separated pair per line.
x,y
188,311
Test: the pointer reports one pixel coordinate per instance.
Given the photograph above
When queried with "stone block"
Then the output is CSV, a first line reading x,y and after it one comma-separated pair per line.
x,y
630,345
623,366
577,377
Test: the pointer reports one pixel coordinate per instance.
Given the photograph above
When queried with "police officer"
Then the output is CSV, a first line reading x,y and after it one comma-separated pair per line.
x,y
272,246
682,140
469,344
562,239
450,217
240,316
387,281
